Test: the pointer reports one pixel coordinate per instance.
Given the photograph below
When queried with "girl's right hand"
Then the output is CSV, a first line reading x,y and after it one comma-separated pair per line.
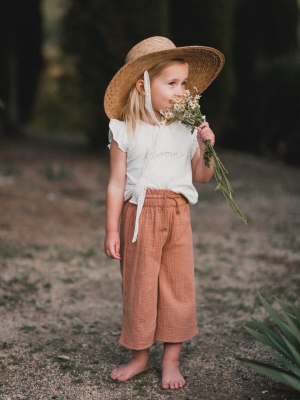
x,y
112,245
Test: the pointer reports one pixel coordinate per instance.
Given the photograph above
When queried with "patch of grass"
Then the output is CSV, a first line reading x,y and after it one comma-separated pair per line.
x,y
225,290
36,350
77,380
293,243
47,285
242,240
16,360
224,258
67,280
26,285
6,345
270,259
68,351
27,328
76,295
58,172
88,253
202,273
70,316
69,366
42,366
55,341
250,324
140,387
39,247
242,307
64,365
279,291
28,255
100,202
6,253
11,298
221,305
77,329
203,247
94,324
63,257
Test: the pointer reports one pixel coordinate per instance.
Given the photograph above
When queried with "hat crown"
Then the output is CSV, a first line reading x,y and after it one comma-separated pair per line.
x,y
150,45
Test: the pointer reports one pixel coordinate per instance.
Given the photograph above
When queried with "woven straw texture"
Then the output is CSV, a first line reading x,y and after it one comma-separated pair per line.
x,y
157,272
205,64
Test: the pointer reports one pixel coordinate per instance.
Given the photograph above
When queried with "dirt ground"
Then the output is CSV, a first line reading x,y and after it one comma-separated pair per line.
x,y
60,296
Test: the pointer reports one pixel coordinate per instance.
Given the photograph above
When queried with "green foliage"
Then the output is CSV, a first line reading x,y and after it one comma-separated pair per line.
x,y
285,346
266,105
215,29
21,60
58,172
97,35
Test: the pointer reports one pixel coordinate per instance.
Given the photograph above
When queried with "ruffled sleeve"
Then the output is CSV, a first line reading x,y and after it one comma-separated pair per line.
x,y
194,144
117,131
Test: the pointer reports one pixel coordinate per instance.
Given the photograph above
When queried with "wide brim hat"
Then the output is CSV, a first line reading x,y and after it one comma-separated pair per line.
x,y
205,63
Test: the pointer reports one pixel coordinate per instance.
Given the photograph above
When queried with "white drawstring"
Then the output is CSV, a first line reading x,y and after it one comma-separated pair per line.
x,y
148,102
139,191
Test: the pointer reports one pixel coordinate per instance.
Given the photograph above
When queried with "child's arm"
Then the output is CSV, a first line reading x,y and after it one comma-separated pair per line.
x,y
201,173
114,200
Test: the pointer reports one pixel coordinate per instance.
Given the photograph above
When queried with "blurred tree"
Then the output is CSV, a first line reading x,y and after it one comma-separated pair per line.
x,y
267,60
97,36
209,23
254,103
21,60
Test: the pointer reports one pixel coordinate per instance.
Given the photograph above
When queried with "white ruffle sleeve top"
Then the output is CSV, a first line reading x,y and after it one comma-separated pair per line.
x,y
172,167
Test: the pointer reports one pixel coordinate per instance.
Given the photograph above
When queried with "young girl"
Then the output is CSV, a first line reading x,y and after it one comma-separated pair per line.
x,y
152,166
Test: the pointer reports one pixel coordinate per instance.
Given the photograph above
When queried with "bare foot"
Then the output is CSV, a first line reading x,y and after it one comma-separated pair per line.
x,y
171,376
127,371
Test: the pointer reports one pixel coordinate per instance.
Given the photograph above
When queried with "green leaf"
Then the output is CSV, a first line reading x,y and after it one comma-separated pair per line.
x,y
294,319
282,325
283,306
273,372
263,338
297,314
294,352
294,329
279,343
282,360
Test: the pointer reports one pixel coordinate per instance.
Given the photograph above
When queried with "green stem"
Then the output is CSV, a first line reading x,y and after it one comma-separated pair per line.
x,y
210,156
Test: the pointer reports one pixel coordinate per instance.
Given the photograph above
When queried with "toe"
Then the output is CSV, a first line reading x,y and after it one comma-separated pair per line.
x,y
176,384
165,385
172,385
122,377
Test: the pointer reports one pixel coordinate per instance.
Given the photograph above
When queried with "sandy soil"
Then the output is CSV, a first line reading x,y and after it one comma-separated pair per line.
x,y
60,296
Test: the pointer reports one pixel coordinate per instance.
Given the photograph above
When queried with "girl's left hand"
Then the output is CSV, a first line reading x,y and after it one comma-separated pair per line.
x,y
205,133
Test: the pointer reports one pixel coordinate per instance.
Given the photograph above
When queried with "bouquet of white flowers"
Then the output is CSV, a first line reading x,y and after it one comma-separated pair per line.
x,y
187,111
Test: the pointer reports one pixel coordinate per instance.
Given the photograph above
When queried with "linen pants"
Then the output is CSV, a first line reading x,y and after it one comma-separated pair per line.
x,y
157,270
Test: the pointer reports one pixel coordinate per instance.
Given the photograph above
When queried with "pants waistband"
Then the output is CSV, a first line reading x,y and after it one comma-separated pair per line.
x,y
163,198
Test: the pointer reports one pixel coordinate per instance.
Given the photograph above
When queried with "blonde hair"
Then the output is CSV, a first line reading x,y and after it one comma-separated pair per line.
x,y
134,109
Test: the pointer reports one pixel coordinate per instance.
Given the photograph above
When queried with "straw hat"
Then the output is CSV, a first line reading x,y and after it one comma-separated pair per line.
x,y
205,64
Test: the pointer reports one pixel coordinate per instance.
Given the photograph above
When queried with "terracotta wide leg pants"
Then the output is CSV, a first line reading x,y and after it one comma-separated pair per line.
x,y
157,272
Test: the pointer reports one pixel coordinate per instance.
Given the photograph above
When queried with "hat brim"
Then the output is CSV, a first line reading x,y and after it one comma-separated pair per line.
x,y
205,64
